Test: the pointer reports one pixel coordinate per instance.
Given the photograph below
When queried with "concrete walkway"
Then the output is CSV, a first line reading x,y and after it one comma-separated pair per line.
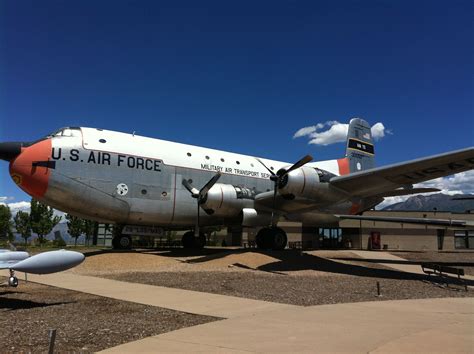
x,y
431,325
175,299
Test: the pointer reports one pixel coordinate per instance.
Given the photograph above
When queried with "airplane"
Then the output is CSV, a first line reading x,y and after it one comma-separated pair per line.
x,y
42,263
140,182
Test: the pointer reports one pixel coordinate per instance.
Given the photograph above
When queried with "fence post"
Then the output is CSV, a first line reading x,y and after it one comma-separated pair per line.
x,y
52,338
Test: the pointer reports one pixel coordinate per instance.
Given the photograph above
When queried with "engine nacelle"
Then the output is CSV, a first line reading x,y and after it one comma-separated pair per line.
x,y
252,218
303,181
227,200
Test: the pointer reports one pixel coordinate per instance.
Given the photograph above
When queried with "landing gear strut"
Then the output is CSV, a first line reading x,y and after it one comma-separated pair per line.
x,y
271,238
12,280
190,241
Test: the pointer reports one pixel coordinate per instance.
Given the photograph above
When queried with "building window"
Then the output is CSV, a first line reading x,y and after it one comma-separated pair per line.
x,y
464,239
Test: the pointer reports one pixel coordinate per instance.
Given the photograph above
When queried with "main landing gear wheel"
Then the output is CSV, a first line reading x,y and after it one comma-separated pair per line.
x,y
190,241
12,280
122,242
271,237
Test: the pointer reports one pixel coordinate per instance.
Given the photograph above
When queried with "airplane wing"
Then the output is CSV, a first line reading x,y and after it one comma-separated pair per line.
x,y
420,221
384,180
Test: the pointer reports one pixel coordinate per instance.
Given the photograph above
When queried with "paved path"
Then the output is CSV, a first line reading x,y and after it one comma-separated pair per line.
x,y
430,325
176,299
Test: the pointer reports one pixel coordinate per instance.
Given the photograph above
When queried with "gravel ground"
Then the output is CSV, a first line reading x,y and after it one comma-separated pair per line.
x,y
84,323
292,278
461,259
311,278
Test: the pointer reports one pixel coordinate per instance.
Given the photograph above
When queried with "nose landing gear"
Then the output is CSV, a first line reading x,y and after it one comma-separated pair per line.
x,y
271,238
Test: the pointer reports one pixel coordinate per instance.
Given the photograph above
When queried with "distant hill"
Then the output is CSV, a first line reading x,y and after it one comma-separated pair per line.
x,y
440,201
61,227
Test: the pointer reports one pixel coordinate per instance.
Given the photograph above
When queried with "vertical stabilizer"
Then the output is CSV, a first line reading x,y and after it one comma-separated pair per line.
x,y
360,148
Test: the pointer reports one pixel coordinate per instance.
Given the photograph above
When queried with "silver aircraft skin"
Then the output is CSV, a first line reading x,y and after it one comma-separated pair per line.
x,y
128,179
42,263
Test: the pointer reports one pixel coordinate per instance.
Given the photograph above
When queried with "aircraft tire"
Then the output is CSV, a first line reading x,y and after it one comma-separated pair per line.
x,y
200,242
188,239
13,282
122,242
278,239
264,238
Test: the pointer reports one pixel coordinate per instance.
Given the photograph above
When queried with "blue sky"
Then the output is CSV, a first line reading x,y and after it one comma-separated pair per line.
x,y
240,76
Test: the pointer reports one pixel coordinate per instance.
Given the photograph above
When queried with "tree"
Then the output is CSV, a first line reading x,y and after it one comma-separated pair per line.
x,y
5,222
23,225
89,229
75,226
42,219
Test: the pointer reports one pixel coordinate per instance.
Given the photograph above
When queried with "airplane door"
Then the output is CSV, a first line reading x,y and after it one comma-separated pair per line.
x,y
153,196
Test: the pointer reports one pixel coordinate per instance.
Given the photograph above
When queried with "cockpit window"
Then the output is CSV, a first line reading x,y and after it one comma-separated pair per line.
x,y
67,131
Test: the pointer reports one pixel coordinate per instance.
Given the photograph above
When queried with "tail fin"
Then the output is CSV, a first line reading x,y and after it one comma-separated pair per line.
x,y
360,149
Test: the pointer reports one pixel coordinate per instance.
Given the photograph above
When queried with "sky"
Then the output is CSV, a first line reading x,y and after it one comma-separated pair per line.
x,y
242,76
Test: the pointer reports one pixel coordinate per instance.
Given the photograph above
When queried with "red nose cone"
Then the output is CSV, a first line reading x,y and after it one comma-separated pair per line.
x,y
32,179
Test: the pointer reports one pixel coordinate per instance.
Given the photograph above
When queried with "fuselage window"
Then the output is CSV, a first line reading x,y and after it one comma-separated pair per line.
x,y
271,168
207,157
189,154
237,162
222,160
103,141
144,191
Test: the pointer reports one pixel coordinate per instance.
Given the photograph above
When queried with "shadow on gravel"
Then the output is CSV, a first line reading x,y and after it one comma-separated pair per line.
x,y
167,252
18,304
388,261
296,261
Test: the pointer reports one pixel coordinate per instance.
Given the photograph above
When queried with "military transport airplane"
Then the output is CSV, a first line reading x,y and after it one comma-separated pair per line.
x,y
128,179
42,263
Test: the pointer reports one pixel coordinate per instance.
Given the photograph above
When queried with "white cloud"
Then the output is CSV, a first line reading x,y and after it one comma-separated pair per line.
x,y
3,200
26,206
305,131
378,131
460,183
19,206
336,133
309,130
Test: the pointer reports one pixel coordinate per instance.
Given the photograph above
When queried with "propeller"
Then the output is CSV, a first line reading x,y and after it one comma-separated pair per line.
x,y
278,177
200,195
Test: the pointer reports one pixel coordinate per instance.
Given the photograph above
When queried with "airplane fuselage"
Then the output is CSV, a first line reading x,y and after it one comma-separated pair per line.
x,y
124,178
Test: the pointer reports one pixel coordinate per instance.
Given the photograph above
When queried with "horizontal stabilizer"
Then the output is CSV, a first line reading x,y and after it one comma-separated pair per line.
x,y
420,221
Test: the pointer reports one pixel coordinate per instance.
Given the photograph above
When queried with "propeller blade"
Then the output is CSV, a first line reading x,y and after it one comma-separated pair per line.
x,y
300,163
271,172
209,185
194,191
